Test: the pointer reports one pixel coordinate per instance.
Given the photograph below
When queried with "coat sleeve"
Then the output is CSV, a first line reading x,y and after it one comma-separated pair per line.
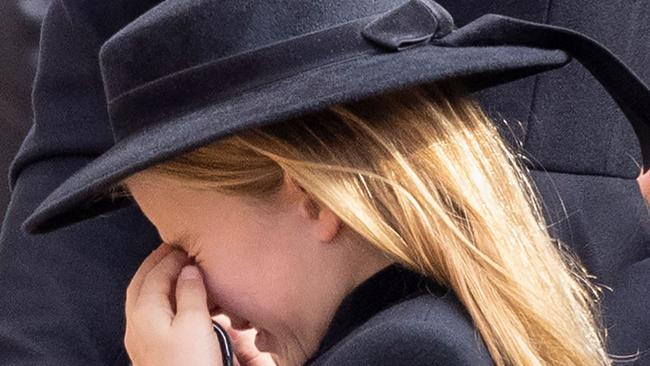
x,y
62,293
409,343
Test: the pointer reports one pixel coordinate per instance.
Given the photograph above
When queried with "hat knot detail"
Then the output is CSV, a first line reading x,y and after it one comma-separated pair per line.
x,y
411,24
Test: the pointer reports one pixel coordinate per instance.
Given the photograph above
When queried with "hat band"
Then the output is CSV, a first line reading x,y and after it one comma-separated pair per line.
x,y
411,24
219,81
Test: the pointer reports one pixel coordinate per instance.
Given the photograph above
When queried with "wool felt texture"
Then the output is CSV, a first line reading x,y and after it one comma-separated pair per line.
x,y
170,88
62,293
399,317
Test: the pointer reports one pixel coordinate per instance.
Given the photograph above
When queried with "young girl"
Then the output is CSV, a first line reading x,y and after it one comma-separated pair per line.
x,y
380,219
301,228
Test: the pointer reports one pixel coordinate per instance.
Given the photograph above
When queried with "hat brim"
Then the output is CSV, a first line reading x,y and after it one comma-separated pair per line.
x,y
76,199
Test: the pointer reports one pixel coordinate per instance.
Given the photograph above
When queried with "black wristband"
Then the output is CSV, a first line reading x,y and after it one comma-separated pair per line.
x,y
224,342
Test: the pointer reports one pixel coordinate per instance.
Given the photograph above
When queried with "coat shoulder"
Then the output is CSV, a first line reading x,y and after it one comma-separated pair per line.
x,y
425,330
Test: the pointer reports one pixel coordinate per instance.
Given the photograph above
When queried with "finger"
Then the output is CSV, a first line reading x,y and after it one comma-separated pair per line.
x,y
158,285
152,259
243,342
191,298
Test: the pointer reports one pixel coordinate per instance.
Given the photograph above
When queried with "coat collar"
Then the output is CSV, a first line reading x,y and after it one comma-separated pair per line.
x,y
387,287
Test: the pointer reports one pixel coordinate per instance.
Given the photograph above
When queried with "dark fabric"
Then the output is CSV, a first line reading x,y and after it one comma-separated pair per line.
x,y
62,296
62,293
159,108
607,224
387,287
18,55
169,91
399,317
624,86
568,122
587,155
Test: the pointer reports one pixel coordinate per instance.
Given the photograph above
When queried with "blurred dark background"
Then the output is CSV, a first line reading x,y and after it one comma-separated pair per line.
x,y
19,35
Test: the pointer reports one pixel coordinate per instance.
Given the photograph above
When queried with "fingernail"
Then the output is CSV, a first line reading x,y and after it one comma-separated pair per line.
x,y
189,273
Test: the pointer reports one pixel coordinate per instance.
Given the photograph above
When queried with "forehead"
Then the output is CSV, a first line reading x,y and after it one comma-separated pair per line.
x,y
183,239
137,180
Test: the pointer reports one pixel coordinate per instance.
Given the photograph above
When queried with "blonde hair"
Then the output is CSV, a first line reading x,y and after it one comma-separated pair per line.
x,y
423,175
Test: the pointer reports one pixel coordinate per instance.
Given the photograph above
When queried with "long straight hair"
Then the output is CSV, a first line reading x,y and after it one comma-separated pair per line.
x,y
424,176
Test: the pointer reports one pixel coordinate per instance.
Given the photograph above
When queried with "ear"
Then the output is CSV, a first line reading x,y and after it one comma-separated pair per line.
x,y
325,220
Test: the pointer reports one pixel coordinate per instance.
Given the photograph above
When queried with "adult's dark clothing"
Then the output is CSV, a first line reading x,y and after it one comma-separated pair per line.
x,y
62,293
19,31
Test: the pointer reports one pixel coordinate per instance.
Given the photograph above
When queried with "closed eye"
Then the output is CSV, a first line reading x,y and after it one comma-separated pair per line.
x,y
192,257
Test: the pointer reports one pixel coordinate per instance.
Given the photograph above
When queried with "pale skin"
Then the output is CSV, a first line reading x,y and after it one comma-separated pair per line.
x,y
272,276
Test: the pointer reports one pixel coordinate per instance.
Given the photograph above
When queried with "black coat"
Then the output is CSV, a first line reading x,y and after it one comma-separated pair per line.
x,y
397,317
62,293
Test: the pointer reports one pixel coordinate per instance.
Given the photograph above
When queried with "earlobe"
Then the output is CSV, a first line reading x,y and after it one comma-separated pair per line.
x,y
330,225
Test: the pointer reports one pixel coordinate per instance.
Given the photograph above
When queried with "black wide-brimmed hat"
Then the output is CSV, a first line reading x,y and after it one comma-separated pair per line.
x,y
188,72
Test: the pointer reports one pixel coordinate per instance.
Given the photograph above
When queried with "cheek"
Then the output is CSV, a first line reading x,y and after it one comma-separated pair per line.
x,y
254,283
226,277
239,288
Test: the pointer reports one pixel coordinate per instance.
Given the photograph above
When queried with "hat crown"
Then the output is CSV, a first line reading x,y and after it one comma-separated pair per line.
x,y
178,34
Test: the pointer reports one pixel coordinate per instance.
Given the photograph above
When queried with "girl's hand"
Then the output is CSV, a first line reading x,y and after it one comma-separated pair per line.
x,y
164,331
243,344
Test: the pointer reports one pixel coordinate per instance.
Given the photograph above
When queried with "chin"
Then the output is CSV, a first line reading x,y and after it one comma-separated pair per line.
x,y
280,352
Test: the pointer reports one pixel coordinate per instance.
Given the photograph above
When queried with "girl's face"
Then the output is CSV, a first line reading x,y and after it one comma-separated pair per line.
x,y
280,269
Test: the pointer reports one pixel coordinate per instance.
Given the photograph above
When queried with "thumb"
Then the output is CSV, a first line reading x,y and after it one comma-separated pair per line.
x,y
191,298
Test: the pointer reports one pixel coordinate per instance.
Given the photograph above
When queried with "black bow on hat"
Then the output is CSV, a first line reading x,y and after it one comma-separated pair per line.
x,y
188,72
